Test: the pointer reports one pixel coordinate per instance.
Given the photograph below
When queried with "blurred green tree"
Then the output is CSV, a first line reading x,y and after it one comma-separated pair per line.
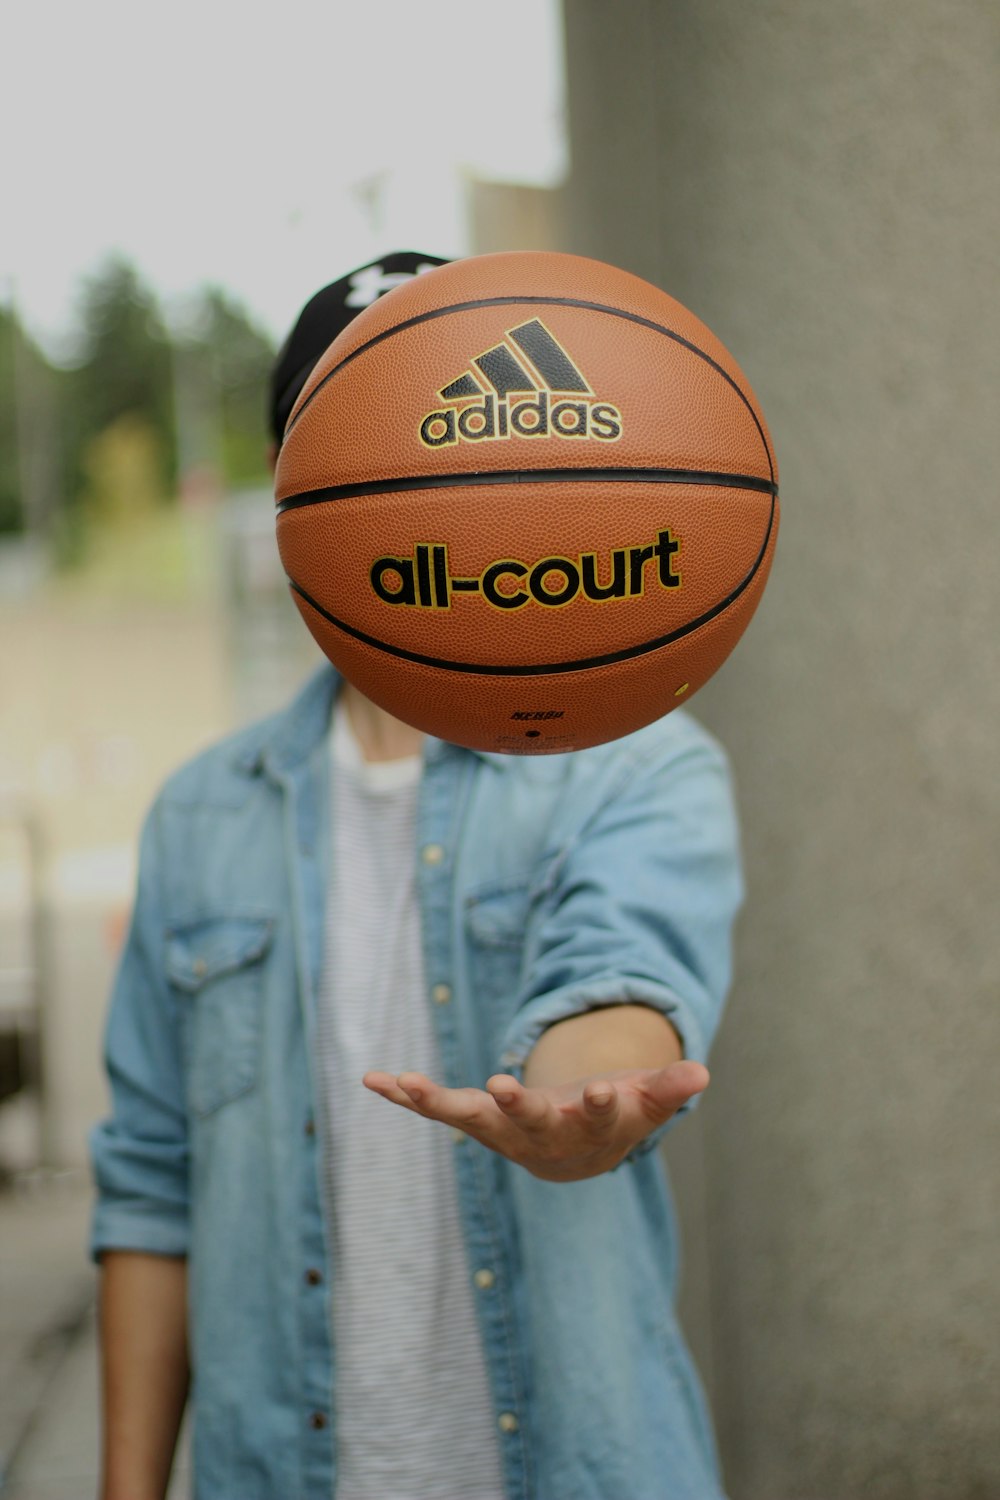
x,y
132,405
122,371
123,366
228,358
28,429
123,467
11,508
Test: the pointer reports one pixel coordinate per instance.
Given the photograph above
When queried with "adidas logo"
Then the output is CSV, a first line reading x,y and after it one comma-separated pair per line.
x,y
526,386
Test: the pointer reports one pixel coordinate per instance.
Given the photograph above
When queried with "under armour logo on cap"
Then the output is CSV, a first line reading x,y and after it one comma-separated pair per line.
x,y
327,314
368,284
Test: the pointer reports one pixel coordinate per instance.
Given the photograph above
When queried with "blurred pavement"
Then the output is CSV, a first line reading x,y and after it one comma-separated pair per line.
x,y
48,1356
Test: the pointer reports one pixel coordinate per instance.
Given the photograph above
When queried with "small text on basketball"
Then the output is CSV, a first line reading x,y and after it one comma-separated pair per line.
x,y
424,580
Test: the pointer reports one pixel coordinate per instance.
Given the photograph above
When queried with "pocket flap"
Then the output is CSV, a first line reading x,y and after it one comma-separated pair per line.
x,y
496,913
203,950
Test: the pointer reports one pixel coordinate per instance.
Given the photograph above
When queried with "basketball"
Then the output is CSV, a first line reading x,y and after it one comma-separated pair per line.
x,y
527,502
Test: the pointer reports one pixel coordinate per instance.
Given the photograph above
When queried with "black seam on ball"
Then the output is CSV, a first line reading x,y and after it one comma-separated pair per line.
x,y
541,669
407,482
600,307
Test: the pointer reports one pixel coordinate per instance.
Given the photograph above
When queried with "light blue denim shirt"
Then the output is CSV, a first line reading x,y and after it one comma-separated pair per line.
x,y
548,885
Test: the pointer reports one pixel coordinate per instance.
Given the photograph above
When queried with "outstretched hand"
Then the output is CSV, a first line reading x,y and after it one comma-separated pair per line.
x,y
562,1132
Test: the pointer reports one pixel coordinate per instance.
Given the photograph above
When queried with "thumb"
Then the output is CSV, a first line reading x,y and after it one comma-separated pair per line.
x,y
669,1088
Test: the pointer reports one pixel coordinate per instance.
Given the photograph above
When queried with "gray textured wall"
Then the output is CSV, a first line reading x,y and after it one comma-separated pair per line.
x,y
820,183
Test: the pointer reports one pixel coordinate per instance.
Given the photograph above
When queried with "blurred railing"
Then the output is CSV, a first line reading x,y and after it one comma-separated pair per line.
x,y
270,649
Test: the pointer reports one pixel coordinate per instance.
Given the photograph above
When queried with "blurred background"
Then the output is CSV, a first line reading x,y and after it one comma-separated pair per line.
x,y
820,185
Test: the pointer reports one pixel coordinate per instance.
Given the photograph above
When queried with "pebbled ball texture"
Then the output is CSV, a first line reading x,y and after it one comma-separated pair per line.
x,y
527,502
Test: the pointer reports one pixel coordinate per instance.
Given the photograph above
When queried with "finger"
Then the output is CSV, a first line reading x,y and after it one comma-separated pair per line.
x,y
530,1109
665,1090
467,1108
385,1084
601,1104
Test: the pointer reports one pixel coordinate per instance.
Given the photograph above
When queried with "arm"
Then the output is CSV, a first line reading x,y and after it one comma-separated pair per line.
x,y
144,1366
627,964
595,1086
613,1039
140,1228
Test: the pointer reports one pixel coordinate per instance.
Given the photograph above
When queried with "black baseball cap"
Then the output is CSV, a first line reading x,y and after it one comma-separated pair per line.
x,y
327,314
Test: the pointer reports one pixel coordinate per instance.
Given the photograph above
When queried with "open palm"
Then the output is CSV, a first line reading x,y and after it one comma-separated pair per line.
x,y
563,1132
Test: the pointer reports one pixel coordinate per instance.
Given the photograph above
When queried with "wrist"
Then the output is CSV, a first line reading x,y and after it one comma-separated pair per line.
x,y
612,1039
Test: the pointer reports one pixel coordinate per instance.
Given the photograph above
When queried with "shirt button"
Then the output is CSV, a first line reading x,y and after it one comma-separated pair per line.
x,y
317,1420
507,1422
432,854
441,994
200,968
458,1136
484,1279
310,1127
313,1277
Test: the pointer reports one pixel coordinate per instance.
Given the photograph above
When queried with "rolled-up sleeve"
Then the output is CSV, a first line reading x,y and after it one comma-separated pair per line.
x,y
140,1152
640,907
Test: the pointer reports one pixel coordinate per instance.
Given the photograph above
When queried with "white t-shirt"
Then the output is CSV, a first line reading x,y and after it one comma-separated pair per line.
x,y
413,1408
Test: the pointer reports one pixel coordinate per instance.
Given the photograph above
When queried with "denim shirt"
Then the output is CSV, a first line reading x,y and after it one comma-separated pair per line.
x,y
547,885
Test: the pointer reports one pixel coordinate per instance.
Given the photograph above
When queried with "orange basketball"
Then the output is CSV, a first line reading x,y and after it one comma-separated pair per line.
x,y
527,502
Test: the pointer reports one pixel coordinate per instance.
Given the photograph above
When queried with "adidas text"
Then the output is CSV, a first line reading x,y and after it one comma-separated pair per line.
x,y
494,417
525,386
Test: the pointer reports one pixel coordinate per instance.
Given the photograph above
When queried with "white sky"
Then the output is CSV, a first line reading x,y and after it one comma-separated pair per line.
x,y
240,143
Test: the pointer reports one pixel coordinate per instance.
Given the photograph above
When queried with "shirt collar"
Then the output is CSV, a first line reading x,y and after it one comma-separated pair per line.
x,y
291,736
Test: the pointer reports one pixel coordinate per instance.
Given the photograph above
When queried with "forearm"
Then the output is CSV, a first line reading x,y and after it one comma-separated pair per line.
x,y
144,1359
613,1039
595,1087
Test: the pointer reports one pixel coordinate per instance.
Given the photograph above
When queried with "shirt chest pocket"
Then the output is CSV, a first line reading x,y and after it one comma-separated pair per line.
x,y
218,965
496,922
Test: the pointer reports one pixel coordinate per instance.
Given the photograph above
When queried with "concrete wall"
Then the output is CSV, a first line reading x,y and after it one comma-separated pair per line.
x,y
820,183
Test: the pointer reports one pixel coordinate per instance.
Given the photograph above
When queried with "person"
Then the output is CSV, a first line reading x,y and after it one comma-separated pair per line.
x,y
396,1031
